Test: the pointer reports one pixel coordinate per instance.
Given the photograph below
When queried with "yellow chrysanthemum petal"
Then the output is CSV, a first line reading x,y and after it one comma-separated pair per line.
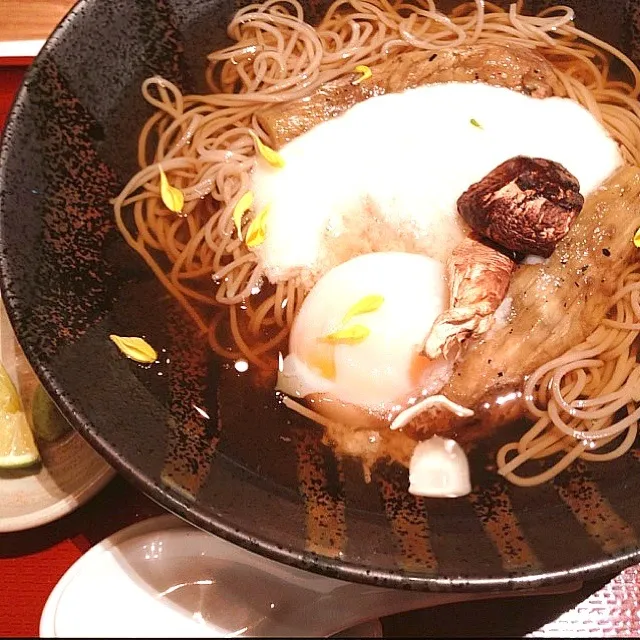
x,y
365,71
269,154
244,204
348,335
137,349
364,305
257,231
172,197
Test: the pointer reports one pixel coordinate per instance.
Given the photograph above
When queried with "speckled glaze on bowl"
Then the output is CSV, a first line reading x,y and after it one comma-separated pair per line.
x,y
69,280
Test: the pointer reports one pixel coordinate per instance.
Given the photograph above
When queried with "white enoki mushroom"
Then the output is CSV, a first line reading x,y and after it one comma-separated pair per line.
x,y
404,417
439,469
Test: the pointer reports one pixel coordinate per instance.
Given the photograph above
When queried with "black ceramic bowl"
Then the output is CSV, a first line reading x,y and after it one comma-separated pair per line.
x,y
69,280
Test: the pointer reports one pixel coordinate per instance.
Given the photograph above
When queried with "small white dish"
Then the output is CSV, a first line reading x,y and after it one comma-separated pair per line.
x,y
70,471
164,578
70,474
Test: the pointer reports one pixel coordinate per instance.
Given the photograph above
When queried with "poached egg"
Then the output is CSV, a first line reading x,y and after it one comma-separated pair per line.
x,y
383,371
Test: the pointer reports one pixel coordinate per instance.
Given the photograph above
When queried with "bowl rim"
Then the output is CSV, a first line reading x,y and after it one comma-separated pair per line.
x,y
324,565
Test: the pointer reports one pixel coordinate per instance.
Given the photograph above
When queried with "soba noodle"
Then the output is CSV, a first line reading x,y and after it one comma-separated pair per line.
x,y
584,402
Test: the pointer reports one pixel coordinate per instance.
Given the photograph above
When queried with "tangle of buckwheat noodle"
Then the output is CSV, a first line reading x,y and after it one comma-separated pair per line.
x,y
587,398
203,144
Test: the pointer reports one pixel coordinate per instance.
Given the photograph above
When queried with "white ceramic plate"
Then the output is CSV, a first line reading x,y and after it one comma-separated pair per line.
x,y
70,473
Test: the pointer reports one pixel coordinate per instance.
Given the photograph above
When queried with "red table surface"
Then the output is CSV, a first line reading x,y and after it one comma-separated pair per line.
x,y
31,563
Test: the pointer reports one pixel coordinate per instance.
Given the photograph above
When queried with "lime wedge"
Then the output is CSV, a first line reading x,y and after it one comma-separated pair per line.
x,y
47,421
17,444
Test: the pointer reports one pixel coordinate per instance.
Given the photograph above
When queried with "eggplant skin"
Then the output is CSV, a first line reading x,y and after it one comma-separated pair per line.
x,y
511,66
554,306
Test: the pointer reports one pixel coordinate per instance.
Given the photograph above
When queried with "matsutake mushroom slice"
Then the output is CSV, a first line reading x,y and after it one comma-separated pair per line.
x,y
479,277
526,205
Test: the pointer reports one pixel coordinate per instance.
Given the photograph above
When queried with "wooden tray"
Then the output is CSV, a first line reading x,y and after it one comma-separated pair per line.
x,y
25,25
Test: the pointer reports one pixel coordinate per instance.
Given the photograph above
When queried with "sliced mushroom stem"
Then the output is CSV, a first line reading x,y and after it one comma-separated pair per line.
x,y
478,282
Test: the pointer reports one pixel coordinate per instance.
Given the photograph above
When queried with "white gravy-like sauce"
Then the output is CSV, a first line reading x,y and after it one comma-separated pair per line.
x,y
386,174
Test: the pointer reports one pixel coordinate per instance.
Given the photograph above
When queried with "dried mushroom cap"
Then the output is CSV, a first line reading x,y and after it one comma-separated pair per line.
x,y
526,205
479,277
